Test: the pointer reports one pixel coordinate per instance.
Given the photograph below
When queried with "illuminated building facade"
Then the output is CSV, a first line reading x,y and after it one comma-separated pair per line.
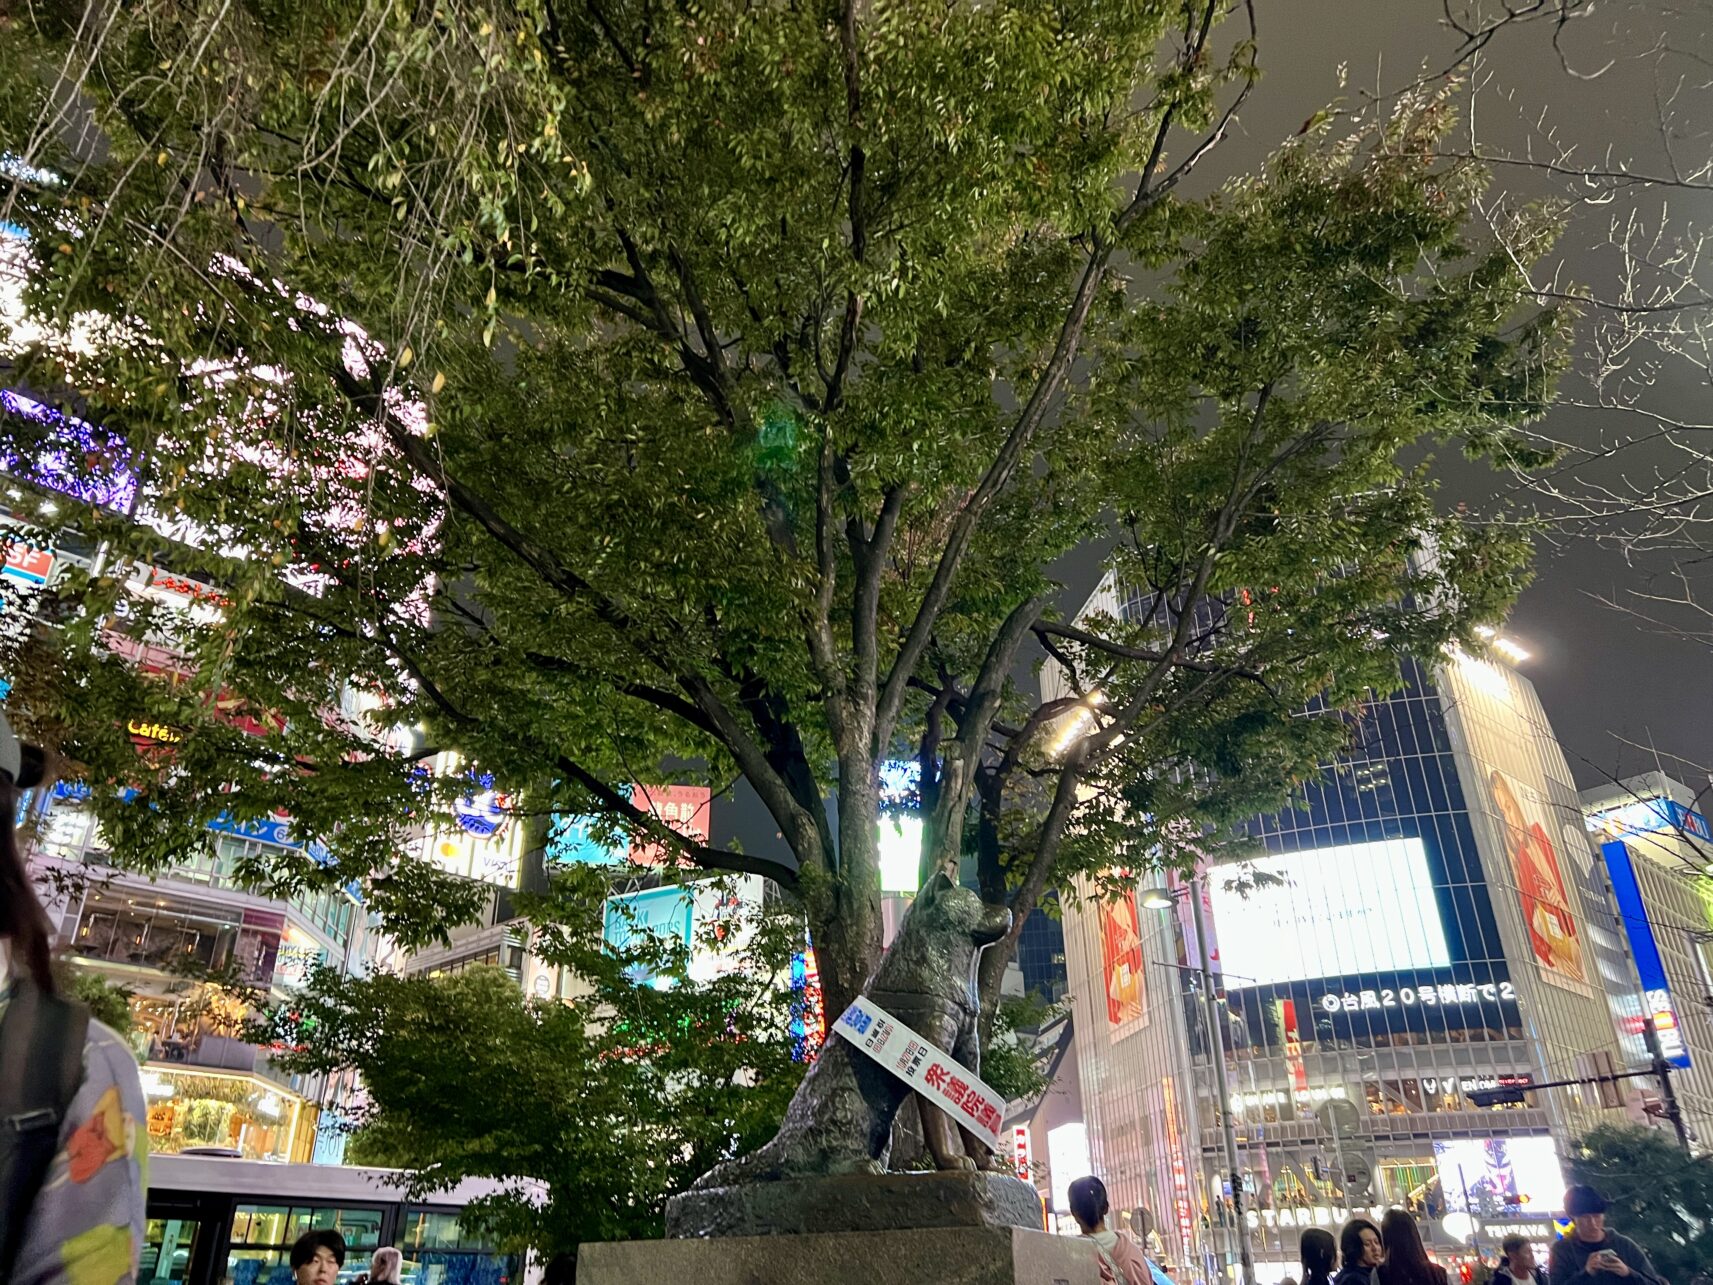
x,y
166,937
1657,848
1433,924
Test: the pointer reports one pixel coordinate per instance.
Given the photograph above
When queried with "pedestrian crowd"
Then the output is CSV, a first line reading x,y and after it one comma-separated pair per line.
x,y
1392,1252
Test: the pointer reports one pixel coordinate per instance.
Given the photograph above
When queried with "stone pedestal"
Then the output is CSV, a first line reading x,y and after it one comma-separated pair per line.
x,y
855,1202
914,1256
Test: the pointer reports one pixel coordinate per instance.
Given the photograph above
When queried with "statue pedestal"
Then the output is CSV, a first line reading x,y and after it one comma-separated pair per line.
x,y
855,1202
912,1256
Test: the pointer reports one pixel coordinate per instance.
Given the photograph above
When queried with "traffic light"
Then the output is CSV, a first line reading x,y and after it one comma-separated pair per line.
x,y
1495,1097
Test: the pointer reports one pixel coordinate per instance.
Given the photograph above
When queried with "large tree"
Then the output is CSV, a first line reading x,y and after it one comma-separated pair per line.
x,y
598,384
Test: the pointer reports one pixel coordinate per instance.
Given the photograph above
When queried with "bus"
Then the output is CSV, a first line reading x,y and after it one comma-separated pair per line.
x,y
220,1220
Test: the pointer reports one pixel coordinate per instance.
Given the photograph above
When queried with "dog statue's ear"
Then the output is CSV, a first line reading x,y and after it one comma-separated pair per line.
x,y
934,887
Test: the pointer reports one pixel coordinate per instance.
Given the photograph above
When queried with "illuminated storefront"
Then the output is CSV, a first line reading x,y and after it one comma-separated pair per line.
x,y
254,1116
1425,925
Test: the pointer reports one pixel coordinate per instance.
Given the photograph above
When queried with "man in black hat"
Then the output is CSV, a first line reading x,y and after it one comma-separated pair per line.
x,y
1591,1255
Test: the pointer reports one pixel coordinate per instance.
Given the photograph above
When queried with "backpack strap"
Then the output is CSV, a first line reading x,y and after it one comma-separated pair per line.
x,y
41,1068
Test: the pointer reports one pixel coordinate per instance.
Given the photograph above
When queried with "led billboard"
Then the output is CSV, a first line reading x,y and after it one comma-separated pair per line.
x,y
1355,908
665,914
1495,1176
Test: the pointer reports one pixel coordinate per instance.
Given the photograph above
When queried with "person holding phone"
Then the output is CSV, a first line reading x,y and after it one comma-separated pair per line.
x,y
1592,1255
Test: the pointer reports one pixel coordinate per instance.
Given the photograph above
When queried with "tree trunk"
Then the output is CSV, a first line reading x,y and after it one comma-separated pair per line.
x,y
846,958
852,931
990,973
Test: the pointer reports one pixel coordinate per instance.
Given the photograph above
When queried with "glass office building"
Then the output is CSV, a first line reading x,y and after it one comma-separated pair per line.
x,y
1426,921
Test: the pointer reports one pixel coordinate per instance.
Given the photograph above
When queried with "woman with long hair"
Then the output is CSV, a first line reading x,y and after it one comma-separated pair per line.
x,y
71,1188
1319,1254
1407,1261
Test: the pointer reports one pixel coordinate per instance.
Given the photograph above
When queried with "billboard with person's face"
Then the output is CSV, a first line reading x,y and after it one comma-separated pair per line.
x,y
1554,939
1121,957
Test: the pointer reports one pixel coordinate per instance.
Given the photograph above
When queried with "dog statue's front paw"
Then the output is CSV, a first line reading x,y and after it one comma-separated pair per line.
x,y
963,1163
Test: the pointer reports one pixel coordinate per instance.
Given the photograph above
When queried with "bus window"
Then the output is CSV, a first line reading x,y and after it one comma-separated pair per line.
x,y
168,1244
262,1237
437,1251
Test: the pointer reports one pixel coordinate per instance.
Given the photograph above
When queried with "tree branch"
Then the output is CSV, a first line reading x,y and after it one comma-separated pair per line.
x,y
709,858
993,481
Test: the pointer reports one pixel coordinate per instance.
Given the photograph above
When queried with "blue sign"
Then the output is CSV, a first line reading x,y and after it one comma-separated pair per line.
x,y
571,840
664,914
1656,991
1649,816
274,830
482,812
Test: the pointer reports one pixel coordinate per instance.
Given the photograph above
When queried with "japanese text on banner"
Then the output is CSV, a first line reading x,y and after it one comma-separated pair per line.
x,y
931,1071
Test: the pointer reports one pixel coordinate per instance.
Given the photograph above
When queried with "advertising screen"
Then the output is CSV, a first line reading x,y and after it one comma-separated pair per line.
x,y
1328,912
1495,1176
1644,948
1121,964
666,914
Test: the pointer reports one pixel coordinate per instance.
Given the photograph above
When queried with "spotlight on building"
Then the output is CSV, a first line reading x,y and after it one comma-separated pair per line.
x,y
1509,650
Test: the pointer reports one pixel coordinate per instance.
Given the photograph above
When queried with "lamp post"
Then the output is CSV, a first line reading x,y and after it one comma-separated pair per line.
x,y
1164,899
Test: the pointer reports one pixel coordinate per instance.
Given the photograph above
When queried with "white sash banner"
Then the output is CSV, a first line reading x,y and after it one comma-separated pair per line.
x,y
931,1071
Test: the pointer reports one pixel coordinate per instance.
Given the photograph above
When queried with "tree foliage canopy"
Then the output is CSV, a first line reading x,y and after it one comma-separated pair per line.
x,y
590,382
615,1099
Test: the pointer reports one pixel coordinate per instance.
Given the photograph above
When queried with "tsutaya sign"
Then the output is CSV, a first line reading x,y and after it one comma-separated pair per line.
x,y
931,1071
1418,996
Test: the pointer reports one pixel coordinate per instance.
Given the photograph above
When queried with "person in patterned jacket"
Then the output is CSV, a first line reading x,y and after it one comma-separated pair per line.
x,y
72,1208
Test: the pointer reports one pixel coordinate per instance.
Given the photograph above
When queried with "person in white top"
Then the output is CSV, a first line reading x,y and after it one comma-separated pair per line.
x,y
1518,1266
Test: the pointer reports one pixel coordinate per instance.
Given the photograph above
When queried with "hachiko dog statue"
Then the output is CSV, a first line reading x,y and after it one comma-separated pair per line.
x,y
840,1120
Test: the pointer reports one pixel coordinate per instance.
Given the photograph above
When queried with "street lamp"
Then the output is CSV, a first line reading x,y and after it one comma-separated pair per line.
x,y
1165,899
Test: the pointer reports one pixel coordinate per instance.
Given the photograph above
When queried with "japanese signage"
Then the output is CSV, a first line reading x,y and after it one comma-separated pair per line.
x,y
1020,1151
683,808
1446,993
931,1071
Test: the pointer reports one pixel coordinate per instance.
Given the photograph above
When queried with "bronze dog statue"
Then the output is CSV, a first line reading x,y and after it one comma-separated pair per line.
x,y
840,1119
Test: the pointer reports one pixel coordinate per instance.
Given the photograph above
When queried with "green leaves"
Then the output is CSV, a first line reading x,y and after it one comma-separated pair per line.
x,y
605,393
616,1099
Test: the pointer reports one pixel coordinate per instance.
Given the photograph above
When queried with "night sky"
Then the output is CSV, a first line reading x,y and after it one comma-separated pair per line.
x,y
1601,676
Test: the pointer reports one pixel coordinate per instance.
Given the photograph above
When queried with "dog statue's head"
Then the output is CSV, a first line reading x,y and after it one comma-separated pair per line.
x,y
943,902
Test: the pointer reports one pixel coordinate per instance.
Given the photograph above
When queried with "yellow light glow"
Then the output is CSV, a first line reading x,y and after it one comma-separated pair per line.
x,y
1509,650
1080,721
